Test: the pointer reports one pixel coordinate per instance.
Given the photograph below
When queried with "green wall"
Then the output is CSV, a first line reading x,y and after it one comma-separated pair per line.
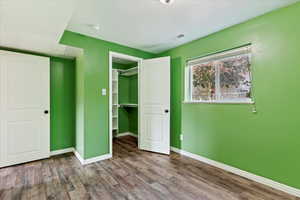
x,y
62,103
124,90
176,100
95,107
133,98
128,93
133,120
266,143
123,120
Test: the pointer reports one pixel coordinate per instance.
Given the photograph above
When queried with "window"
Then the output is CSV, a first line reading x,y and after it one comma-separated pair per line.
x,y
220,78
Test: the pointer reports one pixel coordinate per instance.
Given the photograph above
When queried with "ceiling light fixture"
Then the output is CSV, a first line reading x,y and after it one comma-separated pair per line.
x,y
168,2
96,27
180,36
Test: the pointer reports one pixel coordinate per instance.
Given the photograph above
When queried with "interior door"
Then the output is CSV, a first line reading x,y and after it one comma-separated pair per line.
x,y
154,90
24,99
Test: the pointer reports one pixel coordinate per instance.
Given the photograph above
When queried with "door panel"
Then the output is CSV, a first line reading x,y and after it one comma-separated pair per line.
x,y
20,91
154,102
24,95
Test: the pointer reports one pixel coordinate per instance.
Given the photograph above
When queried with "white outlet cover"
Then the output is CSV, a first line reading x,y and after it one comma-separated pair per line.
x,y
103,92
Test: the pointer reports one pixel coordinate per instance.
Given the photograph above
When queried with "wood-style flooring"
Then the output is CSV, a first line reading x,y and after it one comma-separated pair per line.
x,y
131,174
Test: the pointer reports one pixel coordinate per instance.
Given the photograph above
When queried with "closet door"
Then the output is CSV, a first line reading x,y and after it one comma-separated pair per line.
x,y
154,106
24,103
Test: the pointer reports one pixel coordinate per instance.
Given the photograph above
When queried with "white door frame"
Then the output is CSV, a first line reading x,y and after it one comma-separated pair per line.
x,y
127,57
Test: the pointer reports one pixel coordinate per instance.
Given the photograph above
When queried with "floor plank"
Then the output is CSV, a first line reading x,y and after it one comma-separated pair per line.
x,y
130,174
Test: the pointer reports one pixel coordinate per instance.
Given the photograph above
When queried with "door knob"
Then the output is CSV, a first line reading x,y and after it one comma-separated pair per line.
x,y
166,111
46,111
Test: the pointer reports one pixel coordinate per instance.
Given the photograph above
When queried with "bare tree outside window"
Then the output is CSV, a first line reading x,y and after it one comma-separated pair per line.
x,y
235,82
204,82
225,78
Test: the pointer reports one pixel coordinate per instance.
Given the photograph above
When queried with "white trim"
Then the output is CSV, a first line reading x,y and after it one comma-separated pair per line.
x,y
62,151
218,102
110,103
91,160
253,177
220,55
78,156
140,63
125,134
96,159
123,56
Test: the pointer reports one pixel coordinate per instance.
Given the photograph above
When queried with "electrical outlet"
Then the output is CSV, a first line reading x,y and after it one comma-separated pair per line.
x,y
103,92
181,137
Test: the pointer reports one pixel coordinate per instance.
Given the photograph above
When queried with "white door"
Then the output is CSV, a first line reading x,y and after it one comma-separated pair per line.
x,y
24,99
154,106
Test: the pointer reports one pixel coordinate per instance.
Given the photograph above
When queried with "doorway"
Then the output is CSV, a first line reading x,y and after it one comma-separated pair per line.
x,y
139,91
124,96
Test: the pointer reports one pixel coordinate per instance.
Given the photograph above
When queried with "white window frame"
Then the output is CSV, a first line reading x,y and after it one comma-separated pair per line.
x,y
216,56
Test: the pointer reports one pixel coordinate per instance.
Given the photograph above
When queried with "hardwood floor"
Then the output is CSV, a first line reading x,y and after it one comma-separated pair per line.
x,y
131,174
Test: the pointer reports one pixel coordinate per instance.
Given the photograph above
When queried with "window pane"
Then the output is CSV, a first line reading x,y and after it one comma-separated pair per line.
x,y
235,78
203,82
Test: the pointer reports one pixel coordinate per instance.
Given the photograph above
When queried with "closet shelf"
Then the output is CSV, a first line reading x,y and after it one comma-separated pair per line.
x,y
129,105
129,72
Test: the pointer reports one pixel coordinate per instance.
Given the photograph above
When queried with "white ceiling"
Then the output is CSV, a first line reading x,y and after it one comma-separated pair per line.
x,y
152,26
36,25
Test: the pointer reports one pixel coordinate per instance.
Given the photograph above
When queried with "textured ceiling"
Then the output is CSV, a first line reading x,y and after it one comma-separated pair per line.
x,y
36,25
154,27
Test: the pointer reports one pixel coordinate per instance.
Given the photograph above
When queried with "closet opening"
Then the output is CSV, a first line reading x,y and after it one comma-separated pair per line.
x,y
124,101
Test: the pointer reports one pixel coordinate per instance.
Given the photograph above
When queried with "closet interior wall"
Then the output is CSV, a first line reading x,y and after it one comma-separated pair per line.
x,y
127,95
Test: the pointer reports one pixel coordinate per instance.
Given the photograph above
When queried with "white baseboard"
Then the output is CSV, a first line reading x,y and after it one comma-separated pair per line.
x,y
91,160
253,177
96,159
125,134
78,156
62,151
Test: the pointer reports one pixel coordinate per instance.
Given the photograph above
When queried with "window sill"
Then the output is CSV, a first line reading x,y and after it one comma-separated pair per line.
x,y
218,102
